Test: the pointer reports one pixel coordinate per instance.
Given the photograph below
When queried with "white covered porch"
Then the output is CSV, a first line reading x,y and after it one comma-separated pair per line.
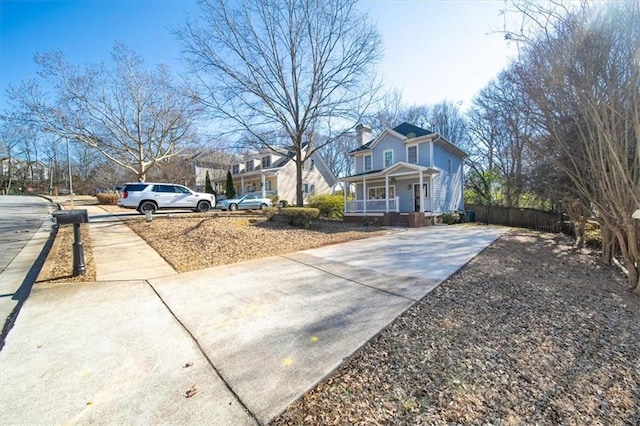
x,y
400,188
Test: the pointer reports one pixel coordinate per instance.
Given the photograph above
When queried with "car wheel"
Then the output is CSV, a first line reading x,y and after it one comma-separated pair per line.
x,y
147,206
203,206
233,207
263,206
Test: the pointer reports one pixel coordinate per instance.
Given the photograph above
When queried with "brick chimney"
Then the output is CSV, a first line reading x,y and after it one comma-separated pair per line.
x,y
363,134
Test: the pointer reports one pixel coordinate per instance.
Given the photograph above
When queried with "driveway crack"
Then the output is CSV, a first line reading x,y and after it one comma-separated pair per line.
x,y
204,353
349,279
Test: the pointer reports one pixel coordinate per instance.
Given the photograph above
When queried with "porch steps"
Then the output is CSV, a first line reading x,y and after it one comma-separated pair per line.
x,y
401,221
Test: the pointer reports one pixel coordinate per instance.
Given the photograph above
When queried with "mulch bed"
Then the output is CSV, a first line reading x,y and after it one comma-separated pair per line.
x,y
529,332
199,241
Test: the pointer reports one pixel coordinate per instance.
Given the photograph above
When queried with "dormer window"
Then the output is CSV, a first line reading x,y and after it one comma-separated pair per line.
x,y
248,166
266,162
235,169
367,163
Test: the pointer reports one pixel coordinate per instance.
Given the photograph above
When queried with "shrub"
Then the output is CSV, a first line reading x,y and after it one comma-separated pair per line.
x,y
108,198
283,203
274,199
299,216
331,206
451,218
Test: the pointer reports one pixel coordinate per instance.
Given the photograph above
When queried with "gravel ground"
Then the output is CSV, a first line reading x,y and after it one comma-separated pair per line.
x,y
529,332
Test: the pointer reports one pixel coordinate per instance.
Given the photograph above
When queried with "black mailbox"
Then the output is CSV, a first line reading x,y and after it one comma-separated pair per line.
x,y
75,217
66,217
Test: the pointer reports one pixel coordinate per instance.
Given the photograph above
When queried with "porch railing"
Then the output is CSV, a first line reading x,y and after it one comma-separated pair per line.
x,y
372,206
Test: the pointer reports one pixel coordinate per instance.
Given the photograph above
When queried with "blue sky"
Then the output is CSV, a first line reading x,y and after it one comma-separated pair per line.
x,y
433,49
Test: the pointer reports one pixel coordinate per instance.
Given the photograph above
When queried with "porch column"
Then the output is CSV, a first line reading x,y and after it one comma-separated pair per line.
x,y
386,193
241,185
263,184
344,193
421,192
364,195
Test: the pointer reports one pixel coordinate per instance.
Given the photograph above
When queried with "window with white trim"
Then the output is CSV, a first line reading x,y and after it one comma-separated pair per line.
x,y
305,188
412,154
367,163
248,166
235,169
388,158
266,162
379,192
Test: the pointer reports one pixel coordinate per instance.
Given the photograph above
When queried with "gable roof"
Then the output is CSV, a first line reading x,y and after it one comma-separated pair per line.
x,y
404,129
409,131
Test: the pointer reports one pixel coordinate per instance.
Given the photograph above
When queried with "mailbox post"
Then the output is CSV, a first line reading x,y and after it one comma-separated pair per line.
x,y
75,217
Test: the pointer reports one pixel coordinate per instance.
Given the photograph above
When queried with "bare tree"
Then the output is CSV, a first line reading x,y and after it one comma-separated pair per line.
x,y
292,67
12,139
501,126
389,112
446,119
337,157
582,72
133,116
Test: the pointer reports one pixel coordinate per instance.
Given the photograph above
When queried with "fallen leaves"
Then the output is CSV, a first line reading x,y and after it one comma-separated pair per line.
x,y
191,391
202,241
505,340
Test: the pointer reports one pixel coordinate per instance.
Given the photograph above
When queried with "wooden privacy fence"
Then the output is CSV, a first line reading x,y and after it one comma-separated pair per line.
x,y
519,217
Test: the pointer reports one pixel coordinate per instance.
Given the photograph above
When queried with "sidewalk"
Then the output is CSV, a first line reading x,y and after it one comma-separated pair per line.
x,y
234,344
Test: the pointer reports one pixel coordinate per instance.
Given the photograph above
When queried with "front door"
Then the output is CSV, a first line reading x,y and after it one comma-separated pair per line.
x,y
416,197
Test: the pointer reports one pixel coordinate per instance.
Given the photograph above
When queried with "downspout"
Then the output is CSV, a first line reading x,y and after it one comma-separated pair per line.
x,y
431,150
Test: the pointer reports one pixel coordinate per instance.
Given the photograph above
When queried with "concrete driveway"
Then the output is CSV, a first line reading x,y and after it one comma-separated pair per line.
x,y
249,338
274,327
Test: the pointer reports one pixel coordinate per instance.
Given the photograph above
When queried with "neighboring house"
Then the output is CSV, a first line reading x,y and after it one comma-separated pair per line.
x,y
405,171
22,173
274,173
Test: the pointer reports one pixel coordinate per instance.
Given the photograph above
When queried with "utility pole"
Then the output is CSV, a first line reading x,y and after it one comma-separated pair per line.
x,y
70,175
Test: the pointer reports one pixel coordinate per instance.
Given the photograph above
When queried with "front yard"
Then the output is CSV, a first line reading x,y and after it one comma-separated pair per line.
x,y
531,331
191,242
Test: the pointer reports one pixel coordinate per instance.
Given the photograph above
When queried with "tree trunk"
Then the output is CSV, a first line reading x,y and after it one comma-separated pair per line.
x,y
299,196
608,243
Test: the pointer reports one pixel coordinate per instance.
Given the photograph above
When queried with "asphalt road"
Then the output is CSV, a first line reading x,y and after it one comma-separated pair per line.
x,y
25,227
20,218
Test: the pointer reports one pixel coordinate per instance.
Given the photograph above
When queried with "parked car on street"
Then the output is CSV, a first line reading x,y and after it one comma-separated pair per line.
x,y
247,201
149,196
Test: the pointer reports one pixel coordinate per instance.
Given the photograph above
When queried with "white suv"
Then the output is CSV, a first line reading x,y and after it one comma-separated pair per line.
x,y
148,196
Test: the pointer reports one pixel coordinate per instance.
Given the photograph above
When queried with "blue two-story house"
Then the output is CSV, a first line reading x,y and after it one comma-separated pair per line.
x,y
404,171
